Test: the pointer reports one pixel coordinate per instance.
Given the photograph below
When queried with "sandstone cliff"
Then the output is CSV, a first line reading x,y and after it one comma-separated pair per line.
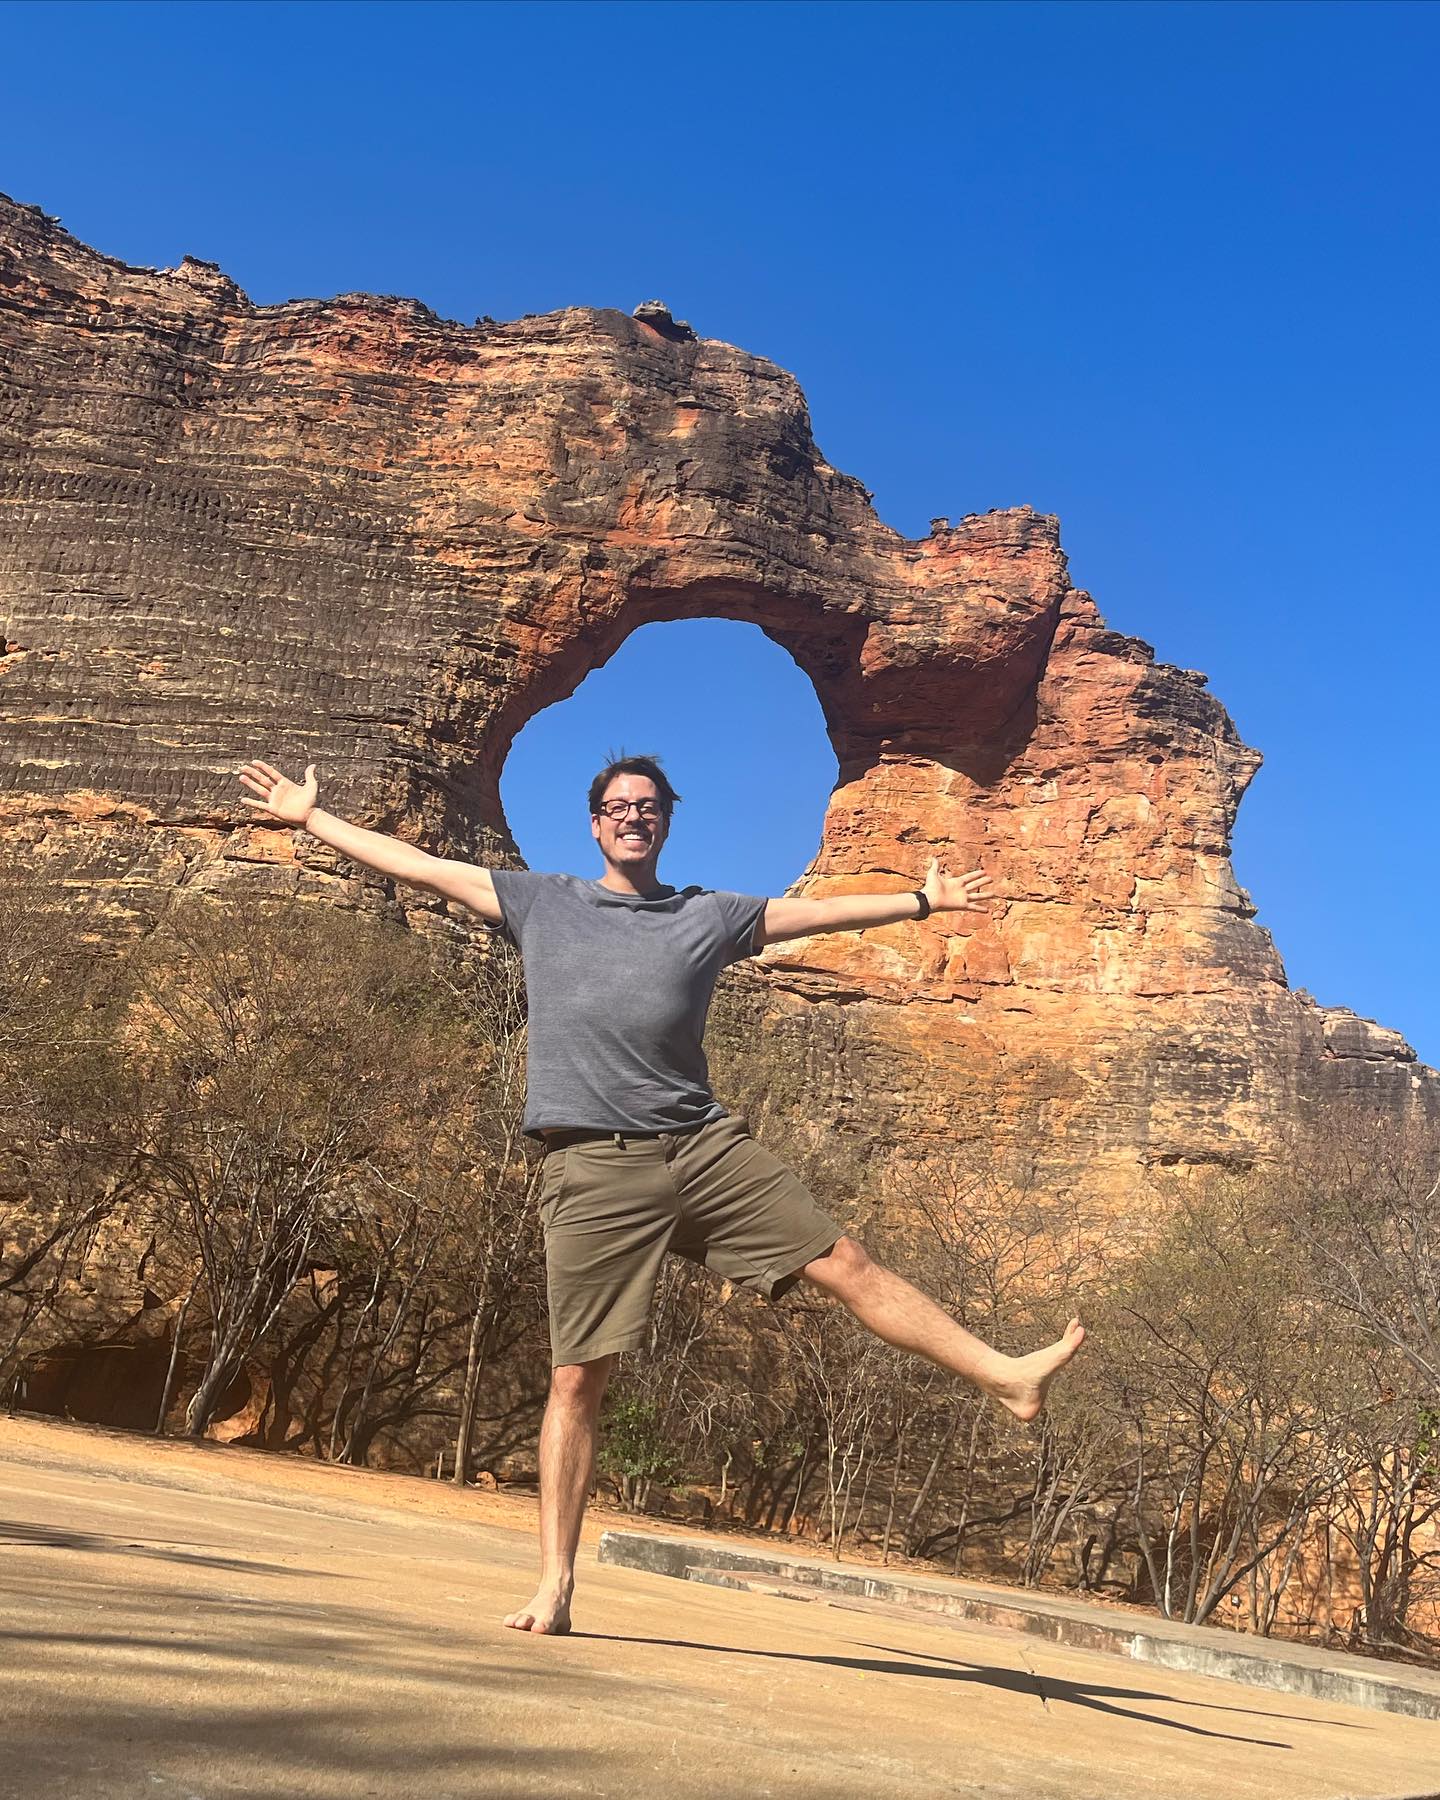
x,y
352,532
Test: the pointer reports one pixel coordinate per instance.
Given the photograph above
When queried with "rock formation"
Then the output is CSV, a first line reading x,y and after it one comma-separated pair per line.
x,y
351,532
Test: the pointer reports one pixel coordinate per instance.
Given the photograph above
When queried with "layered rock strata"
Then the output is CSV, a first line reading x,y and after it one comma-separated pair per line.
x,y
349,531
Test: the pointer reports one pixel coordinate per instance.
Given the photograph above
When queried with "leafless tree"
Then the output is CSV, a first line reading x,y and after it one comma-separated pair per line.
x,y
1385,1511
494,1259
851,1375
1362,1191
283,1040
976,1224
1210,1360
68,1166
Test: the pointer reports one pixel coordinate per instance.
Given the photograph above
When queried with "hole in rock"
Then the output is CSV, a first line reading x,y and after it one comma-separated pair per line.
x,y
738,727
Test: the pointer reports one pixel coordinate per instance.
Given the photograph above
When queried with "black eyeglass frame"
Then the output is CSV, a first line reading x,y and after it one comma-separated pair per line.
x,y
656,810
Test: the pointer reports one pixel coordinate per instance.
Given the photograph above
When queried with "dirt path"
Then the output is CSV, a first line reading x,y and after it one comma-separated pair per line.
x,y
194,1622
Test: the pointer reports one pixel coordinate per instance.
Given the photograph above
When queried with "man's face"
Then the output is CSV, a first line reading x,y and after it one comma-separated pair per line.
x,y
631,841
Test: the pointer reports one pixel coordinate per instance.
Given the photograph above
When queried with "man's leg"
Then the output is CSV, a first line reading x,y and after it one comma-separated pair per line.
x,y
567,1463
900,1314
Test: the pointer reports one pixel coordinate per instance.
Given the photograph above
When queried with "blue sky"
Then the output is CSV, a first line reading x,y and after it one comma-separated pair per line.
x,y
1165,270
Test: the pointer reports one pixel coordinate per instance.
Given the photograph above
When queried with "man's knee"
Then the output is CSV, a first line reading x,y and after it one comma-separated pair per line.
x,y
843,1265
581,1384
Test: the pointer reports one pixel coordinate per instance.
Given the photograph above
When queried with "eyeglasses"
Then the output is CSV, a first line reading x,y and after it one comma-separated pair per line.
x,y
617,809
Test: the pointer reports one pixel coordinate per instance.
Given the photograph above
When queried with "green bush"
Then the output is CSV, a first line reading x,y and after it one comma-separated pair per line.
x,y
635,1450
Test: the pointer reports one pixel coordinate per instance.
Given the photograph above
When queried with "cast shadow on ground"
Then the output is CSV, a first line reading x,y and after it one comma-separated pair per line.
x,y
1016,1681
55,1537
266,1697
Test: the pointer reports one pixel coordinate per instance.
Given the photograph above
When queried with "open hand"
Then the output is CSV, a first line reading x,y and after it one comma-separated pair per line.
x,y
956,893
289,801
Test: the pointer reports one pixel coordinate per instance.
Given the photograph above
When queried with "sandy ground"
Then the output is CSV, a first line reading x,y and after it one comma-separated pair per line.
x,y
192,1621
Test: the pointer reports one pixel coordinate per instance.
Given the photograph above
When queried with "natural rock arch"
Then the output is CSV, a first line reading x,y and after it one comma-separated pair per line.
x,y
731,700
352,532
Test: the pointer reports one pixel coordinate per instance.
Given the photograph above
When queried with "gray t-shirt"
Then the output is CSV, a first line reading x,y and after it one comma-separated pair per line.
x,y
618,987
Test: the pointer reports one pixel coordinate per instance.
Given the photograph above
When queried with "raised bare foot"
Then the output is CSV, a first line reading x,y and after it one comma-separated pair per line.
x,y
1019,1382
547,1614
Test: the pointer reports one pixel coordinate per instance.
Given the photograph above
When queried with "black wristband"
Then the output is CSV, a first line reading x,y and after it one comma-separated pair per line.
x,y
924,912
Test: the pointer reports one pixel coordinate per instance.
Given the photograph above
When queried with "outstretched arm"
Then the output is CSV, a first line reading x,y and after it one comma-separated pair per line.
x,y
854,912
293,803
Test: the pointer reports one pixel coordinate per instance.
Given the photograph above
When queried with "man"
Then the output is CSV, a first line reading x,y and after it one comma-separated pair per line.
x,y
640,1157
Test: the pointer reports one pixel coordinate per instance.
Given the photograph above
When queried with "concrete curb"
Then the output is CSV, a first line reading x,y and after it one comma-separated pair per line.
x,y
1193,1649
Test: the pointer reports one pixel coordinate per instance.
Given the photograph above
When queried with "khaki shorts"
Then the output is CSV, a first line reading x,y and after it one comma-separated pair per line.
x,y
612,1206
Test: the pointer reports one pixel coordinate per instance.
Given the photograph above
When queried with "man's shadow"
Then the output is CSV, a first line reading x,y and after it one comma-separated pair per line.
x,y
1045,1688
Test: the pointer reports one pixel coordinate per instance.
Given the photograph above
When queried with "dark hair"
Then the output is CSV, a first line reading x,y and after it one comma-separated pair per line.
x,y
634,765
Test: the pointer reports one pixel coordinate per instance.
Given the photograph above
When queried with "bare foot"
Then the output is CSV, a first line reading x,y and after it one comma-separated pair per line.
x,y
1019,1382
547,1614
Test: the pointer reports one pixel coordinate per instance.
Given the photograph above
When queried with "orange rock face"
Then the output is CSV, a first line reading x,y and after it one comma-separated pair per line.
x,y
352,532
